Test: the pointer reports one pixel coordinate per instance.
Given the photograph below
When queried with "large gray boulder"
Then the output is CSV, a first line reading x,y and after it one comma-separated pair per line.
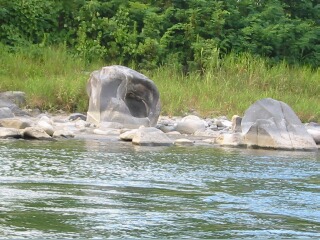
x,y
120,94
269,123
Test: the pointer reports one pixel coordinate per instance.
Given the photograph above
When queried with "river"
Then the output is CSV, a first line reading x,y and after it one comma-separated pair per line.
x,y
103,189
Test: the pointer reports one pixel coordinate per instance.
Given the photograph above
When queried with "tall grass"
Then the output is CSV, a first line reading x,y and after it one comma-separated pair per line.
x,y
55,79
235,83
51,77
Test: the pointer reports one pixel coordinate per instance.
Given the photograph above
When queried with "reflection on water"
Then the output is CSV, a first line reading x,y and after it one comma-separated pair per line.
x,y
101,189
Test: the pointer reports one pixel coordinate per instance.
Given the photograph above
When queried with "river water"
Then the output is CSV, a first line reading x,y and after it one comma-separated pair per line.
x,y
102,189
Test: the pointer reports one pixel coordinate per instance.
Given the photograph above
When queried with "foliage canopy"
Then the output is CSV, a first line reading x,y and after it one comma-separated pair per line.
x,y
187,33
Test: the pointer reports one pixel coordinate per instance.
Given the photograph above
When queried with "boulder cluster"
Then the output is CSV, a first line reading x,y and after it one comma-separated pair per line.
x,y
259,128
124,105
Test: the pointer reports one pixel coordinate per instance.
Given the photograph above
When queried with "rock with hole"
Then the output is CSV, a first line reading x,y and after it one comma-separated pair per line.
x,y
120,94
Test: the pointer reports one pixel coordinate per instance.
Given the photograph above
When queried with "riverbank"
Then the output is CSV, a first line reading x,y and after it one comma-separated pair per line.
x,y
263,126
54,79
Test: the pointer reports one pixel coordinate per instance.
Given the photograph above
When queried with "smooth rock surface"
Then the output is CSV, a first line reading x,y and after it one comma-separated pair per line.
x,y
35,133
314,131
191,124
128,135
269,123
150,136
10,133
122,95
46,126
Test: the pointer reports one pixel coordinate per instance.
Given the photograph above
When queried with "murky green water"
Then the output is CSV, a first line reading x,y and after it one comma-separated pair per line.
x,y
92,189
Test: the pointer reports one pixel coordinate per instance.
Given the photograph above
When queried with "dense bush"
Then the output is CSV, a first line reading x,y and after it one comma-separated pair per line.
x,y
187,33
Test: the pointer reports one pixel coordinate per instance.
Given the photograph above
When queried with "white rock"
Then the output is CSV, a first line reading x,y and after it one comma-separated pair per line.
x,y
46,126
190,124
35,133
151,136
9,133
315,133
128,135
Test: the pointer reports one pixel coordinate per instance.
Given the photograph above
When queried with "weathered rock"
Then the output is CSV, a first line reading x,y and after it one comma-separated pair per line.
x,y
9,133
150,136
190,124
35,133
18,123
236,123
269,123
6,112
128,135
120,94
230,139
47,127
183,142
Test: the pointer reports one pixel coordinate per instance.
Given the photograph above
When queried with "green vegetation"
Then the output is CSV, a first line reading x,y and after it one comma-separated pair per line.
x,y
55,79
216,57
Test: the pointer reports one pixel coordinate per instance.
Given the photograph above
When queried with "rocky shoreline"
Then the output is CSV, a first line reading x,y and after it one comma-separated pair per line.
x,y
18,122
